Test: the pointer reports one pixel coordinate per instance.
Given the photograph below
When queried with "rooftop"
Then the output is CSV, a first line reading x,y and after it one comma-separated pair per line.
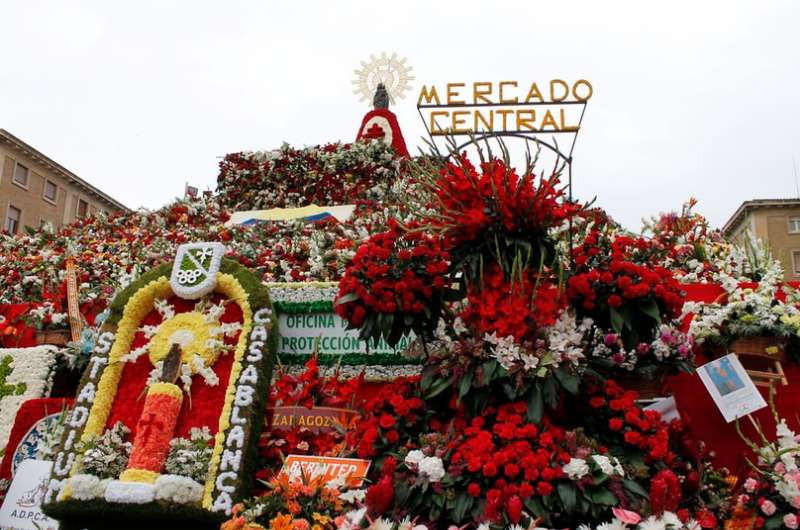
x,y
754,204
43,159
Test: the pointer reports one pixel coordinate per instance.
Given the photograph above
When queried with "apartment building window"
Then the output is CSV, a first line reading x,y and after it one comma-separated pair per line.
x,y
21,175
796,262
50,191
794,225
12,219
83,209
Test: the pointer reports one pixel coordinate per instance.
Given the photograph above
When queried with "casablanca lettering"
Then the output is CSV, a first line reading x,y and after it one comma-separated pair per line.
x,y
231,458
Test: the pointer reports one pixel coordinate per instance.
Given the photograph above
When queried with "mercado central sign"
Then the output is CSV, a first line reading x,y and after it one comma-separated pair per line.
x,y
504,107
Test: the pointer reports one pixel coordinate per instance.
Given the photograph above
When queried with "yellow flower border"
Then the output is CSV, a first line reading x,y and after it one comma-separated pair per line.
x,y
229,286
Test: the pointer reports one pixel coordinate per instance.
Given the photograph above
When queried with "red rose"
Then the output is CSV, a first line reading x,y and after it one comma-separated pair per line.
x,y
473,490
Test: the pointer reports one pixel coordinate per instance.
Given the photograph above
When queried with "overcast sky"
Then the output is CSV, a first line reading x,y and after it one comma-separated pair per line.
x,y
690,98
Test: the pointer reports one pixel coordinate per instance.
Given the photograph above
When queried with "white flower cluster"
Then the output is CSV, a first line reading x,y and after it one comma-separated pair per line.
x,y
430,468
178,489
190,457
783,458
353,520
373,373
508,353
564,343
745,308
566,340
107,455
303,292
667,521
577,468
86,487
30,376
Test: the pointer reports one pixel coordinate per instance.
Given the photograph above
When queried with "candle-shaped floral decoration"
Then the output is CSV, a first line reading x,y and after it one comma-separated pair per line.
x,y
156,425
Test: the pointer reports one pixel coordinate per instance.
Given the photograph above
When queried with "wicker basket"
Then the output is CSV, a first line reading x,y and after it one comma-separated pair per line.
x,y
760,346
56,337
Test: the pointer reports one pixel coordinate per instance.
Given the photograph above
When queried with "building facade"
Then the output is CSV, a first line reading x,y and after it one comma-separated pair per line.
x,y
35,190
777,222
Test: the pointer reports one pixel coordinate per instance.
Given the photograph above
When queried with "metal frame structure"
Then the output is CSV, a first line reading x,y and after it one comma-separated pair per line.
x,y
526,135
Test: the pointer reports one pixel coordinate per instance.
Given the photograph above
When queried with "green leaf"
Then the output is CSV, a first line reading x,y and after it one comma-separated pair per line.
x,y
427,378
637,489
650,308
535,405
489,368
551,394
437,388
568,494
535,505
567,379
462,506
603,496
465,384
776,521
617,320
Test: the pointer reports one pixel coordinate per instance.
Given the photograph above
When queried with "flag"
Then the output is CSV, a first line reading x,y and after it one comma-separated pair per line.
x,y
190,192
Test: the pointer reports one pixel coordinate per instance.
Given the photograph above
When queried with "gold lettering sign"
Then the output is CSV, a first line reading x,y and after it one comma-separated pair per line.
x,y
504,106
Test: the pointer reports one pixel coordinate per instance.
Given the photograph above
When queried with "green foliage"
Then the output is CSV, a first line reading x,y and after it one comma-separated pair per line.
x,y
9,389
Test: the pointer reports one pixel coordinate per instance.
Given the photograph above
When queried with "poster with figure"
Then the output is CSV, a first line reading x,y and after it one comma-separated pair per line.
x,y
730,387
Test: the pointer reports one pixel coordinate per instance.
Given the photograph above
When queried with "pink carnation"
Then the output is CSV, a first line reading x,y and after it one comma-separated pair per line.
x,y
750,485
790,520
768,507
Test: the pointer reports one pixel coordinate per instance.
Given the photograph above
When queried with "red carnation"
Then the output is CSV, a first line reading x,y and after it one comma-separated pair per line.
x,y
544,488
474,489
387,421
615,424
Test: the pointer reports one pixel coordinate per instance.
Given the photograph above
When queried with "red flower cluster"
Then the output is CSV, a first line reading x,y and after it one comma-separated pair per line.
x,y
517,309
391,419
308,389
614,272
399,272
629,426
496,199
508,460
